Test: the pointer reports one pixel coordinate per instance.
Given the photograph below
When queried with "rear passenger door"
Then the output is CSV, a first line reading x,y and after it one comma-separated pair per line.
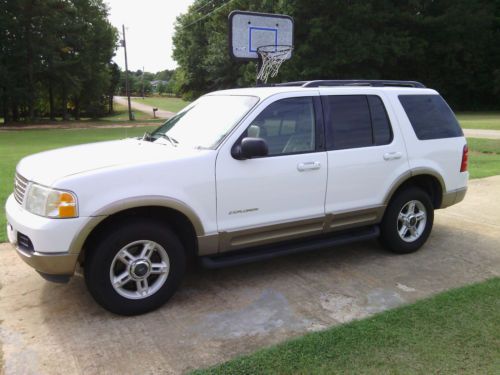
x,y
365,153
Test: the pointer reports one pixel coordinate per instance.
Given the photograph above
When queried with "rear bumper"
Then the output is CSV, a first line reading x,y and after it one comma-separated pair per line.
x,y
453,197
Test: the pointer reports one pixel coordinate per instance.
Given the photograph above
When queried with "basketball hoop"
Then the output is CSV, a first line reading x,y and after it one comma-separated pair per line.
x,y
271,58
265,37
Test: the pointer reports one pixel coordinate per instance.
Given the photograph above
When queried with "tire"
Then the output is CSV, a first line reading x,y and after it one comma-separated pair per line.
x,y
146,261
418,224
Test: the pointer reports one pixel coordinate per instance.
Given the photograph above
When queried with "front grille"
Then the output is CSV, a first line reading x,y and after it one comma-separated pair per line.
x,y
24,242
20,186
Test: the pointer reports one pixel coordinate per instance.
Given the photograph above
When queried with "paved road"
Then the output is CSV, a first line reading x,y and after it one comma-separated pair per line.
x,y
138,106
482,133
57,329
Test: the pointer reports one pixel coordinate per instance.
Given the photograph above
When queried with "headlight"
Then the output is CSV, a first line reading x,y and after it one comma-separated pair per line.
x,y
52,203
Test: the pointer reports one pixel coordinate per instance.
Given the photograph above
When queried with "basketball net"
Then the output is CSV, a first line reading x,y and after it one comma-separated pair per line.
x,y
272,57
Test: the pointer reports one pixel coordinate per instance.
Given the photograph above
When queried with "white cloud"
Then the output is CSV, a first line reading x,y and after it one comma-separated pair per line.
x,y
149,30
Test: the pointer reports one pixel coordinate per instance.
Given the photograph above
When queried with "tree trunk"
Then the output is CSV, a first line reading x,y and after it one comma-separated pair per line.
x,y
110,104
64,109
5,106
51,101
29,62
77,108
15,112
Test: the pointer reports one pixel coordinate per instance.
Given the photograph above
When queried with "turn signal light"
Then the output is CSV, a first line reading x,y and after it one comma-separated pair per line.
x,y
67,205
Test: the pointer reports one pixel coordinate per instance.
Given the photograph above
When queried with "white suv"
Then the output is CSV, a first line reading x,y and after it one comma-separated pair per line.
x,y
237,176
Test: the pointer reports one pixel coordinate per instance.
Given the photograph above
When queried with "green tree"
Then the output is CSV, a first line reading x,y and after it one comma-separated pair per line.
x,y
450,45
114,82
162,88
54,53
148,89
164,75
95,50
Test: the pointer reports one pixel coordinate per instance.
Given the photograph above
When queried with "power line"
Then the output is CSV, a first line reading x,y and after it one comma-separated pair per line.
x,y
206,15
203,6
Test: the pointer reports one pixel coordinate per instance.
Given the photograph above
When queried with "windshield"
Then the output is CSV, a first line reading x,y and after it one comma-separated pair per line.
x,y
205,122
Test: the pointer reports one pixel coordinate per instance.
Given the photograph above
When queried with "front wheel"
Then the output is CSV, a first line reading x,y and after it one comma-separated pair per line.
x,y
408,221
135,268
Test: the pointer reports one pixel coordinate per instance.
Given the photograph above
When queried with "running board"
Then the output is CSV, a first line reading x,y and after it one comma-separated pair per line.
x,y
264,253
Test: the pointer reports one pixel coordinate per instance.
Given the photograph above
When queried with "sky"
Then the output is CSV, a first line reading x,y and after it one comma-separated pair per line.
x,y
149,29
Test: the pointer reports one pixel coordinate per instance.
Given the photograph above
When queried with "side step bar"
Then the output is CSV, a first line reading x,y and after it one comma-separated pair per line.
x,y
269,252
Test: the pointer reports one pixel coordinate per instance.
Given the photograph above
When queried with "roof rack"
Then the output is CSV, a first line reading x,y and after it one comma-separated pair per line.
x,y
354,82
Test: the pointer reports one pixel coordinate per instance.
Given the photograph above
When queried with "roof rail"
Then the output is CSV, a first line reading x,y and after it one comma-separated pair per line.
x,y
296,83
354,82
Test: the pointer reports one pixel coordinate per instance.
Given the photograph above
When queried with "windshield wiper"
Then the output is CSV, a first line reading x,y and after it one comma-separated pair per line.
x,y
174,142
147,137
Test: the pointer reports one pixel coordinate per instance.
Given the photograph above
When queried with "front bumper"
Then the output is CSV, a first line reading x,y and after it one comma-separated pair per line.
x,y
50,251
50,264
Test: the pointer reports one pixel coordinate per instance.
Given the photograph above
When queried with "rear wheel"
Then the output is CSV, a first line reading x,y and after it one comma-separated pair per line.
x,y
135,268
408,221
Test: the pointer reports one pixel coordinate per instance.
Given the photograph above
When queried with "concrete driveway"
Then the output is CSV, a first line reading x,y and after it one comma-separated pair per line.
x,y
57,329
482,133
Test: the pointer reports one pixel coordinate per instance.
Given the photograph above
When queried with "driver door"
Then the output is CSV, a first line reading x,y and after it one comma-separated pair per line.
x,y
280,196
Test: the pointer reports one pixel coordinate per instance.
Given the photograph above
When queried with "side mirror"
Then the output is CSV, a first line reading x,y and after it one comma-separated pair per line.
x,y
250,148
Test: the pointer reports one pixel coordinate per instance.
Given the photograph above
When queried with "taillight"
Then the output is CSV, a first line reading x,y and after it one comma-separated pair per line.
x,y
465,159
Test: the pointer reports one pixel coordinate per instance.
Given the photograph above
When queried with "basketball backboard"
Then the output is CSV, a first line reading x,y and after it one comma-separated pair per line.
x,y
249,31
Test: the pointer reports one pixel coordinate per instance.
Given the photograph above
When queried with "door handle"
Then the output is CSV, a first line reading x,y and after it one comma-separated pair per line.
x,y
392,155
308,166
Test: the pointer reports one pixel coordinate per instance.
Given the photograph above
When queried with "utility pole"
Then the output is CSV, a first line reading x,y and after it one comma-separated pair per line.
x,y
124,42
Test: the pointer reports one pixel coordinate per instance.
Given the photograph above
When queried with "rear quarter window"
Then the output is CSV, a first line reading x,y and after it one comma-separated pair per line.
x,y
430,117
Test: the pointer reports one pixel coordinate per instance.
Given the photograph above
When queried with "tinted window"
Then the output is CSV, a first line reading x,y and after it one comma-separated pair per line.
x,y
287,125
355,121
382,134
430,116
348,119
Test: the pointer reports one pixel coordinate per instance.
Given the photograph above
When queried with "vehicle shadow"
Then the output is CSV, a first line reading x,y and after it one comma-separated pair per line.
x,y
209,282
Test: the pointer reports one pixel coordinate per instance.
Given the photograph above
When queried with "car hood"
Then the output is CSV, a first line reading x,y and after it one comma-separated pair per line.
x,y
48,167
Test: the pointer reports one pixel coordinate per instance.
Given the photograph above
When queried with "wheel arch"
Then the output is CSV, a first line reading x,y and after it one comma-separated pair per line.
x,y
427,179
183,220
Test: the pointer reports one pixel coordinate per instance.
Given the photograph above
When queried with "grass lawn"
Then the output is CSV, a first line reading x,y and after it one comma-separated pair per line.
x,y
479,120
165,102
456,332
484,157
16,144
